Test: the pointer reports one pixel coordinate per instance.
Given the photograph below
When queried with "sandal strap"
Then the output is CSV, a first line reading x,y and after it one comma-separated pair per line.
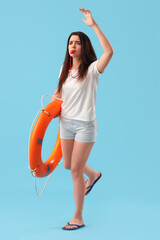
x,y
89,186
75,225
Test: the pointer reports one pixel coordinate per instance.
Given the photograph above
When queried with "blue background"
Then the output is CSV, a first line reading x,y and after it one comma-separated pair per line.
x,y
125,203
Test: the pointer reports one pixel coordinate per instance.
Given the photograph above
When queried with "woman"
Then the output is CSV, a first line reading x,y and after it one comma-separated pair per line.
x,y
78,81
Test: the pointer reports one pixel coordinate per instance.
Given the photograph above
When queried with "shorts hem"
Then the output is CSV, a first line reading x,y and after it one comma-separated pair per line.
x,y
85,141
66,138
79,140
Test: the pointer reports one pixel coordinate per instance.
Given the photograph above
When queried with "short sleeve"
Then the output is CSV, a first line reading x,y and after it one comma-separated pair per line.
x,y
97,69
94,67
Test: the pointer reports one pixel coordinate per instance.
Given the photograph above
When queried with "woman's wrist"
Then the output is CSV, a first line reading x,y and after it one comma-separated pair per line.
x,y
94,25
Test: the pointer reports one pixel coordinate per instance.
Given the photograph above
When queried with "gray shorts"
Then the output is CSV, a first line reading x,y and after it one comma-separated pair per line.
x,y
82,131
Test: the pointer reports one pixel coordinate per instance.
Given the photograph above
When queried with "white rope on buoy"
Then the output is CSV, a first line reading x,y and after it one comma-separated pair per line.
x,y
43,187
33,171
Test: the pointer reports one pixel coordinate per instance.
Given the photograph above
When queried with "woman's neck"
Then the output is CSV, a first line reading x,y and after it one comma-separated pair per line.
x,y
76,63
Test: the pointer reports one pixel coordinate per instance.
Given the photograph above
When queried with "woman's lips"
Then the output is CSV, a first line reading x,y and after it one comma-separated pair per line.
x,y
72,51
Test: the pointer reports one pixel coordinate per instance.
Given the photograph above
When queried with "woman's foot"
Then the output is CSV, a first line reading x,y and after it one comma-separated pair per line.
x,y
90,181
74,221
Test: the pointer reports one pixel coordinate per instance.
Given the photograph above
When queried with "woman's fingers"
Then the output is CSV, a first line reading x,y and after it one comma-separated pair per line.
x,y
82,9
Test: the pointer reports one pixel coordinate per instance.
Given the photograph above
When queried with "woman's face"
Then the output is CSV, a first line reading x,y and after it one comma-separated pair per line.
x,y
74,44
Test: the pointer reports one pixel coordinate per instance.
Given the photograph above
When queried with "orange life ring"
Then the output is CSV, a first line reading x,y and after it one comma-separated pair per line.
x,y
37,167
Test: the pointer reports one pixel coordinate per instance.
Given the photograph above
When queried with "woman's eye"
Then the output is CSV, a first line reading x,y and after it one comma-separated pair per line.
x,y
77,42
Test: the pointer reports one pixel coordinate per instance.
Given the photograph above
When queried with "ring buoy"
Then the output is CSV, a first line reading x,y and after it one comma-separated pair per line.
x,y
37,166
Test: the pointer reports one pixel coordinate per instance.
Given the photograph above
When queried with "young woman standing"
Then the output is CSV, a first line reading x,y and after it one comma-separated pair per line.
x,y
78,81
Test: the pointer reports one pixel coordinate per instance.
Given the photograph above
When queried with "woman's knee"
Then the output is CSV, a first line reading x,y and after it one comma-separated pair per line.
x,y
76,171
67,165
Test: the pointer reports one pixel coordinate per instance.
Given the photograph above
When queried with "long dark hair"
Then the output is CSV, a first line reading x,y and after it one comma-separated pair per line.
x,y
87,57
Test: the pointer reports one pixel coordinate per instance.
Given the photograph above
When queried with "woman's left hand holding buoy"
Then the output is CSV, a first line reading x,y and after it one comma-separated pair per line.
x,y
89,19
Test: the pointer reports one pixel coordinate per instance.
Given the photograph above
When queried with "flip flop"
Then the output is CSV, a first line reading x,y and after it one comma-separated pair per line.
x,y
77,226
91,186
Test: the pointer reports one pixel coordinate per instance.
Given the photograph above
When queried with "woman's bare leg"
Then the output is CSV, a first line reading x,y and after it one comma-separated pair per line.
x,y
78,162
67,148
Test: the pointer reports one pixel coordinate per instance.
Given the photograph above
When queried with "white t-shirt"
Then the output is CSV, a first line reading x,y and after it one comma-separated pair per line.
x,y
79,98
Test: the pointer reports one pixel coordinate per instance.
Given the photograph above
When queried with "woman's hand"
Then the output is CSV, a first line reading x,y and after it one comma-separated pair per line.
x,y
56,95
89,19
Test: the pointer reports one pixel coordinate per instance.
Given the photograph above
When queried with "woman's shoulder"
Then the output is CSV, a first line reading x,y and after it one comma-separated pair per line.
x,y
92,63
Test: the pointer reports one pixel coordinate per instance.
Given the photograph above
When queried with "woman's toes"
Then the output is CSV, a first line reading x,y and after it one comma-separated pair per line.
x,y
69,227
65,225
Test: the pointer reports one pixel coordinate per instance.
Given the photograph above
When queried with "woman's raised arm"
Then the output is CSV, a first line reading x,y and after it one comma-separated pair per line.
x,y
108,50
